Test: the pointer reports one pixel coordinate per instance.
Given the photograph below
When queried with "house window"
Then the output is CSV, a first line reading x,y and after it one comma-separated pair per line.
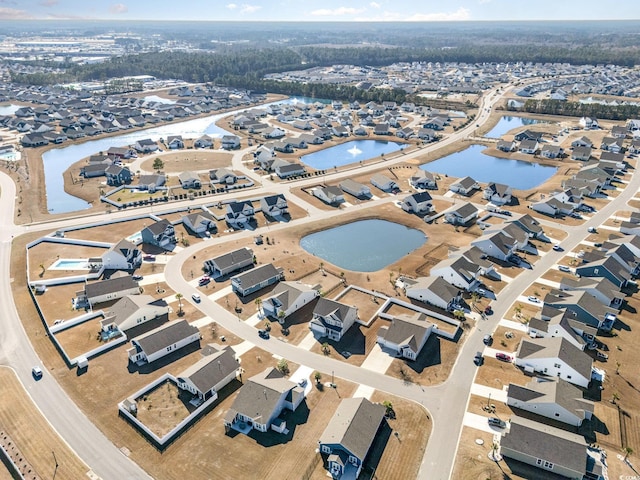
x,y
595,270
556,365
325,449
353,459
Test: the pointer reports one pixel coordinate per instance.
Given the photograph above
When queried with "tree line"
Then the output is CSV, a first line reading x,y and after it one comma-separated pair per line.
x,y
577,109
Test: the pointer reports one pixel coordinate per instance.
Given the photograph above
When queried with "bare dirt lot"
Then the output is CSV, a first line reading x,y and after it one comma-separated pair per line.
x,y
188,160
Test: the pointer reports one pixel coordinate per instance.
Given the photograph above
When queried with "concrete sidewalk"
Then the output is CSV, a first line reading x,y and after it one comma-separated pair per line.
x,y
377,360
483,391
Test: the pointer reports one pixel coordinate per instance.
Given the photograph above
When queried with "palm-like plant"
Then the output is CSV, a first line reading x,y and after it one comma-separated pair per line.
x,y
179,297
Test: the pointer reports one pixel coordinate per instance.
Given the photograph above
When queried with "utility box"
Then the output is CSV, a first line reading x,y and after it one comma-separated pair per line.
x,y
83,363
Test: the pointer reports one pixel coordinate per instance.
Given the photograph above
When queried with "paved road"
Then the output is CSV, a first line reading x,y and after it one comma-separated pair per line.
x,y
446,403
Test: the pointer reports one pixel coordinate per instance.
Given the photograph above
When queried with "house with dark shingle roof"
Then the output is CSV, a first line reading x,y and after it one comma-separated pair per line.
x,y
461,214
287,298
464,186
497,193
105,290
406,334
160,234
332,319
200,223
229,262
122,256
434,291
239,213
255,279
349,435
556,399
210,374
607,267
552,450
133,310
588,309
555,357
162,341
261,400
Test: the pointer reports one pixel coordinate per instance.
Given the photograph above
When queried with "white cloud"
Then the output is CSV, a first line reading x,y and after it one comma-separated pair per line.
x,y
49,3
375,5
13,14
326,12
387,16
118,8
250,8
232,6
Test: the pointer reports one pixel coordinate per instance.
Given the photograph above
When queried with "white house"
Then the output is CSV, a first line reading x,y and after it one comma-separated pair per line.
x,y
332,319
239,213
200,223
497,245
122,256
210,374
434,291
383,182
354,188
461,214
459,272
418,203
133,310
229,262
101,291
330,195
497,193
230,142
464,186
406,335
162,341
555,357
274,205
287,298
556,399
423,179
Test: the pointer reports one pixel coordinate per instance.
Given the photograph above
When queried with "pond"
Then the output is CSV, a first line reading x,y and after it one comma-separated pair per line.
x,y
507,123
484,168
349,152
9,109
156,98
365,245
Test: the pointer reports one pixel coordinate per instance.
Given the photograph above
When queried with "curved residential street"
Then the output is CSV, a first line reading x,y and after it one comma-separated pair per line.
x,y
445,403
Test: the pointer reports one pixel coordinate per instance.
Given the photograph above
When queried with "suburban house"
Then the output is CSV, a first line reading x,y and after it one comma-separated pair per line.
x,y
105,290
581,153
189,180
497,245
513,230
118,175
229,262
406,335
161,234
555,357
255,279
134,310
459,272
601,288
383,182
587,308
611,144
434,291
560,323
497,193
289,169
151,182
162,341
121,152
273,132
287,298
551,151
329,195
423,179
529,146
464,186
145,146
528,135
200,223
332,319
462,214
588,123
349,436
204,141
354,188
556,399
261,400
506,145
552,450
239,213
418,203
93,170
222,175
210,374
582,142
274,205
530,225
175,142
230,142
122,256
607,267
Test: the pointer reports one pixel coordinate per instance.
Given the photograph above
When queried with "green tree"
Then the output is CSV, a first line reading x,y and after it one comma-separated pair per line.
x,y
627,452
158,164
283,366
179,297
317,376
325,348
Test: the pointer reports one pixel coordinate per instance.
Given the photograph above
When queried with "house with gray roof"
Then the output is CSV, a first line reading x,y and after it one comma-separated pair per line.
x,y
151,182
332,319
274,205
160,234
349,435
162,341
204,141
586,307
461,214
406,334
383,182
256,279
240,213
329,195
134,310
229,262
464,186
261,400
230,142
189,180
354,188
101,291
557,322
200,223
601,288
497,193
289,169
556,399
607,267
582,154
434,291
418,203
529,224
145,146
555,357
459,272
287,298
423,179
529,146
122,256
497,245
118,175
210,374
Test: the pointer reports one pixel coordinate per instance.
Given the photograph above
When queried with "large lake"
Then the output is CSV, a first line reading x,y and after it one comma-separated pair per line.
x,y
508,123
484,168
349,152
365,245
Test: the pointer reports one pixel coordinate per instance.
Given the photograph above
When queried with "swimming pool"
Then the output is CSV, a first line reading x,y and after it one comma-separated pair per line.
x,y
70,264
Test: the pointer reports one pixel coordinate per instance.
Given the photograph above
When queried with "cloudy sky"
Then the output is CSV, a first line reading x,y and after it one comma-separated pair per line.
x,y
325,10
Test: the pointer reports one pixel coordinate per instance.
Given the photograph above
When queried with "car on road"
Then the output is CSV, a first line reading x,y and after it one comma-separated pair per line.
x,y
503,357
488,310
196,298
36,372
478,359
575,215
204,280
533,299
564,268
136,277
149,258
557,248
487,339
263,334
592,230
496,422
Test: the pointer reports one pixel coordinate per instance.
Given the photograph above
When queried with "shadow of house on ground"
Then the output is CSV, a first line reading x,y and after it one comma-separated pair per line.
x,y
148,368
430,355
293,419
353,341
589,428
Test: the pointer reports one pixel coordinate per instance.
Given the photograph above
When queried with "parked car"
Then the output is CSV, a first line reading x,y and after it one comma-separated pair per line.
x,y
496,422
533,299
36,372
302,382
196,298
592,230
478,359
149,258
564,268
503,357
136,277
558,248
263,334
488,310
487,339
204,280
